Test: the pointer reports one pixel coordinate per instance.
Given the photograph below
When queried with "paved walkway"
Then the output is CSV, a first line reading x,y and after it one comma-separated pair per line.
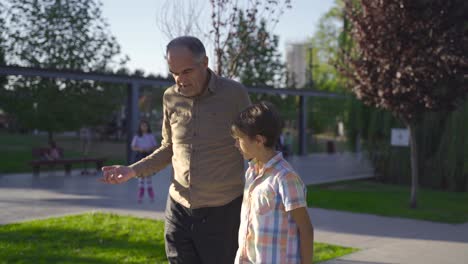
x,y
391,240
381,239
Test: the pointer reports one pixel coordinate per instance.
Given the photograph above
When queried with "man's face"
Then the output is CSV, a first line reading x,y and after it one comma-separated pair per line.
x,y
189,74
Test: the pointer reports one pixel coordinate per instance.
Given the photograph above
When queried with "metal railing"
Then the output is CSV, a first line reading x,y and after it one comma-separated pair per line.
x,y
135,82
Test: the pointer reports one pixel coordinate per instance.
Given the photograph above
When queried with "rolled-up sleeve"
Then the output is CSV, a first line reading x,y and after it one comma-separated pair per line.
x,y
292,192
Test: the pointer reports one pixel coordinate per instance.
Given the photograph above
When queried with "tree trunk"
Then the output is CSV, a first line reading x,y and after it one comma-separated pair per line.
x,y
219,62
50,136
414,163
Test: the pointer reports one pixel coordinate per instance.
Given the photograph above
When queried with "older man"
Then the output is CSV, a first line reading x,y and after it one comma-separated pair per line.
x,y
203,207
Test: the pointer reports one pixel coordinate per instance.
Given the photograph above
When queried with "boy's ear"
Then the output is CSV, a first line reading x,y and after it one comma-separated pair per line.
x,y
260,139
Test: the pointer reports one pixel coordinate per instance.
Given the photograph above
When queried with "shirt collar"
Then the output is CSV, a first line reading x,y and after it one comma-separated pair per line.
x,y
253,164
212,82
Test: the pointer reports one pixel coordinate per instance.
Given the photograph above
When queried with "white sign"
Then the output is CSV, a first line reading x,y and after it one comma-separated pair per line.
x,y
400,137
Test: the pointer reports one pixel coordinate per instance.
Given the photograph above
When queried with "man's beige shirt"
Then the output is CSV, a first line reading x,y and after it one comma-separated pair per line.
x,y
208,168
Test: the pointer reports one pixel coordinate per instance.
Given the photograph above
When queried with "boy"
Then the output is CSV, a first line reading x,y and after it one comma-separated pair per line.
x,y
275,226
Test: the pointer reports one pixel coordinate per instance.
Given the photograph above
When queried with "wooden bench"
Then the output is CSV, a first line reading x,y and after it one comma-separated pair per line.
x,y
39,153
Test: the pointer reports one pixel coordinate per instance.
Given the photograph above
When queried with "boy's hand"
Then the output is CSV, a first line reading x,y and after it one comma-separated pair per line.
x,y
116,174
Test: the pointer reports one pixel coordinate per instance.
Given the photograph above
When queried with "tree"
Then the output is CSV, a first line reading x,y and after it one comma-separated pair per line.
x,y
3,79
326,45
58,34
2,53
181,17
411,58
230,22
260,64
2,62
227,25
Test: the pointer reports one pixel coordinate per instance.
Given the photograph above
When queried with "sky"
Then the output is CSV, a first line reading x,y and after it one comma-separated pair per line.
x,y
134,24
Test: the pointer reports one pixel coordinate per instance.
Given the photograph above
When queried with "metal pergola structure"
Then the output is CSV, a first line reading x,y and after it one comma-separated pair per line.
x,y
133,86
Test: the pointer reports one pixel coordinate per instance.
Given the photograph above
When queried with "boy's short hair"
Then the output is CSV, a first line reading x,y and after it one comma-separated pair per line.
x,y
259,119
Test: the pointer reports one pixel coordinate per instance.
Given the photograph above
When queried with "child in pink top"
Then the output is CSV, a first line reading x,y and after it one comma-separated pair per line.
x,y
144,144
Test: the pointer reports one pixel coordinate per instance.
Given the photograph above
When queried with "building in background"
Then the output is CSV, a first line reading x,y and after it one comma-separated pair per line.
x,y
296,63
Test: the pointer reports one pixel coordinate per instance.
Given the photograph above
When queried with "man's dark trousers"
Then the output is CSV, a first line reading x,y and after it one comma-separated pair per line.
x,y
202,236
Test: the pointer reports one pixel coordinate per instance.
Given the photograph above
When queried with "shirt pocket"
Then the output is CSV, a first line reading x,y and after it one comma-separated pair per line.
x,y
215,125
181,126
220,119
264,200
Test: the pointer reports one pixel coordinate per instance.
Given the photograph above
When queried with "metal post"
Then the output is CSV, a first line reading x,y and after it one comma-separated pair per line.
x,y
132,117
310,67
303,106
302,126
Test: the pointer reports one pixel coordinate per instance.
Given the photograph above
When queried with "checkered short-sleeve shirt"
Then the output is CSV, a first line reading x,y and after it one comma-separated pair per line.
x,y
267,233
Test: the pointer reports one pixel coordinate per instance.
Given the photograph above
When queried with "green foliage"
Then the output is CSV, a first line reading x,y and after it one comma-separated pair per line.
x,y
68,35
16,151
258,63
232,21
324,113
407,61
253,58
99,238
2,53
3,79
2,62
326,51
389,200
443,149
60,34
327,46
355,122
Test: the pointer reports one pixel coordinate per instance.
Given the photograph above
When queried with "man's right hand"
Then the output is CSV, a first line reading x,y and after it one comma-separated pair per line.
x,y
116,174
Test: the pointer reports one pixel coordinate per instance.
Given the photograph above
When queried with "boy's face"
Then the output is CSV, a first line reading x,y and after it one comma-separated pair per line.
x,y
248,147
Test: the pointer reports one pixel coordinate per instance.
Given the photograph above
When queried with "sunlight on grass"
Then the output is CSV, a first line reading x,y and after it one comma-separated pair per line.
x,y
323,252
88,238
98,238
390,200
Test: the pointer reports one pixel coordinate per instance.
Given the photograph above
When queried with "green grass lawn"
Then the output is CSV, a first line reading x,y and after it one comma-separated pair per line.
x,y
16,149
390,200
98,238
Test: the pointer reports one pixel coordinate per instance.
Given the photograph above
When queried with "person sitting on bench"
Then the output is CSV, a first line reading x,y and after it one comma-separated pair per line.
x,y
53,153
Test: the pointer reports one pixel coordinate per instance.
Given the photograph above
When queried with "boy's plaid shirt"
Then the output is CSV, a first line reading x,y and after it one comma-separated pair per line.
x,y
267,233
